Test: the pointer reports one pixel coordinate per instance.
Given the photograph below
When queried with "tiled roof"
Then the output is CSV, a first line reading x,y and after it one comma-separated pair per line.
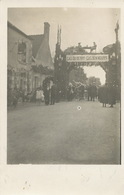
x,y
36,43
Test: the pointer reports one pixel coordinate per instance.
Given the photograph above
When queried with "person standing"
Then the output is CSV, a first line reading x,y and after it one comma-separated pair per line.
x,y
42,95
38,96
111,95
46,94
93,92
70,92
103,94
53,94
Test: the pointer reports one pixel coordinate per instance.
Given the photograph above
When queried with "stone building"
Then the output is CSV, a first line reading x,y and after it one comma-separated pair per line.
x,y
19,58
29,59
41,56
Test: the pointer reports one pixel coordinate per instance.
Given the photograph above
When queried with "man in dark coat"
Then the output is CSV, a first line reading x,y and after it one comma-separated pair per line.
x,y
103,94
111,95
93,92
70,92
46,92
53,94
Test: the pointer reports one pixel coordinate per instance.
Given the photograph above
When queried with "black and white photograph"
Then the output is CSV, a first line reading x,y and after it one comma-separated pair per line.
x,y
61,100
63,86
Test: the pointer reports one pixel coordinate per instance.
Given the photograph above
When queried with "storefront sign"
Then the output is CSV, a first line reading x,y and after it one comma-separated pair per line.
x,y
87,58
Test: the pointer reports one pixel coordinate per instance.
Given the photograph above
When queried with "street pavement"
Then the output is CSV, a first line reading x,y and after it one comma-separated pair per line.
x,y
77,132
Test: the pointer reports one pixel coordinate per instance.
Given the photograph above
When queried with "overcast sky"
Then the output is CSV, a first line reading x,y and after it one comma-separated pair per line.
x,y
85,25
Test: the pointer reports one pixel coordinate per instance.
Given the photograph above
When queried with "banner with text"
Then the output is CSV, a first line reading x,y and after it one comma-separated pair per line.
x,y
87,58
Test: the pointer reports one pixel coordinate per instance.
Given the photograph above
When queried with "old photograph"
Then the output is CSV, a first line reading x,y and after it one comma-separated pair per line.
x,y
64,86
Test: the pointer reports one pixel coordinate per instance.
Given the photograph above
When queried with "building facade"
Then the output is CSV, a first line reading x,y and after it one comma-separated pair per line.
x,y
29,59
40,48
19,58
41,57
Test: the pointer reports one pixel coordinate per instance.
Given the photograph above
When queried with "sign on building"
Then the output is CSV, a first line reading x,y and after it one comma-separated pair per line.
x,y
88,58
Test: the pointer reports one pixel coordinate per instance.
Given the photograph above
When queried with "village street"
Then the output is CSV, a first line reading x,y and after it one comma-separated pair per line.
x,y
64,134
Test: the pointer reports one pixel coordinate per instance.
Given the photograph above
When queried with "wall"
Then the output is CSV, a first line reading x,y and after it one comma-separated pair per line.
x,y
18,70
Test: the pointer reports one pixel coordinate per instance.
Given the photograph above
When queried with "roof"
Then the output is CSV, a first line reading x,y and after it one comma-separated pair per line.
x,y
36,43
17,30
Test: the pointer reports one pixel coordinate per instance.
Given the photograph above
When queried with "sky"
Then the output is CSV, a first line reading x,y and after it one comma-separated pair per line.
x,y
84,25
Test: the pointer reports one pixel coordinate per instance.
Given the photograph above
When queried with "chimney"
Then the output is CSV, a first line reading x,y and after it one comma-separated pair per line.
x,y
46,30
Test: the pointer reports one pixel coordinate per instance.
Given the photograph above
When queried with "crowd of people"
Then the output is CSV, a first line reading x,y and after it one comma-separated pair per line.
x,y
49,91
48,94
80,91
45,93
105,94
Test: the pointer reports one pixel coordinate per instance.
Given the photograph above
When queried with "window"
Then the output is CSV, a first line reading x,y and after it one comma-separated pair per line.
x,y
22,52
